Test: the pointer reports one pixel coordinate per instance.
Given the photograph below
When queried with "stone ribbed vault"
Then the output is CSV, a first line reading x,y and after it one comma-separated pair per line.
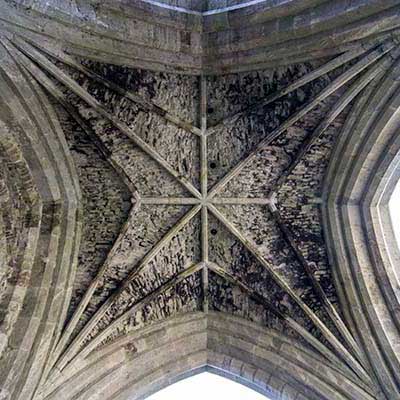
x,y
191,185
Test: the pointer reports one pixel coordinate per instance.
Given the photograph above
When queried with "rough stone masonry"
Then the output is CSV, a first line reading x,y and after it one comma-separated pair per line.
x,y
198,185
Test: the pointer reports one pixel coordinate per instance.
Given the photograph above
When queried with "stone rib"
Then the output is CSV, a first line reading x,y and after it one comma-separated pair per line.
x,y
350,94
193,200
49,85
57,220
327,305
52,89
84,95
340,349
331,88
28,253
75,344
68,247
72,323
169,200
309,77
353,201
204,188
144,104
357,87
284,316
145,300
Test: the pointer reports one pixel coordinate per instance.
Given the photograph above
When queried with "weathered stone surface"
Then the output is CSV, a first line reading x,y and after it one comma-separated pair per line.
x,y
160,218
106,203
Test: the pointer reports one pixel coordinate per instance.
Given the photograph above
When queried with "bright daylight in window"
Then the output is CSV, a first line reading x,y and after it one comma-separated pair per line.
x,y
394,208
206,386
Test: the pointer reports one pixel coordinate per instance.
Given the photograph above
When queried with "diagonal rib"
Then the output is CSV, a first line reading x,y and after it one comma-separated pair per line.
x,y
329,336
63,78
331,88
75,344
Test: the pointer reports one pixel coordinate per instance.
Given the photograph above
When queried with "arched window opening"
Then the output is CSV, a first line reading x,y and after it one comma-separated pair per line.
x,y
394,208
207,386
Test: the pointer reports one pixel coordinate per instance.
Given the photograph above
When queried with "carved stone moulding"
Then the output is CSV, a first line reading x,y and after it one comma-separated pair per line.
x,y
189,188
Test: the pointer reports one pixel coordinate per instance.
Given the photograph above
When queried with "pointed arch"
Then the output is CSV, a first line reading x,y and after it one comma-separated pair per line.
x,y
361,178
33,150
151,358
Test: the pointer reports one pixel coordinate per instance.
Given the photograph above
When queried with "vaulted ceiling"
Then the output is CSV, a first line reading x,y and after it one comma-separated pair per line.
x,y
191,185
